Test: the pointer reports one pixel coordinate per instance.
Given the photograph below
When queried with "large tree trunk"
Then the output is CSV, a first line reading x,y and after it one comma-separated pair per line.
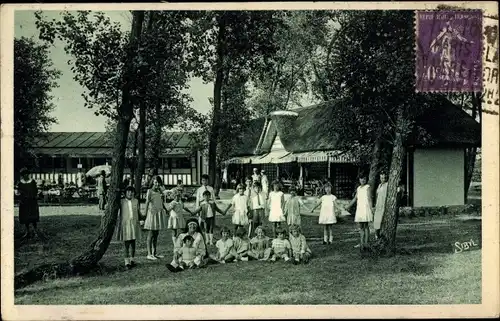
x,y
375,166
141,142
471,153
387,241
219,79
88,260
157,138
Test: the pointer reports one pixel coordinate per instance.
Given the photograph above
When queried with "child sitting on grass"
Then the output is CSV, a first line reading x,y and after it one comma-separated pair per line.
x,y
224,246
259,246
240,248
187,253
301,252
280,247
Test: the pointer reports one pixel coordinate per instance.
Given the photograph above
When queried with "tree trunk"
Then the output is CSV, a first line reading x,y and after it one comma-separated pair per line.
x,y
134,160
141,142
387,241
157,138
219,79
471,153
375,166
88,260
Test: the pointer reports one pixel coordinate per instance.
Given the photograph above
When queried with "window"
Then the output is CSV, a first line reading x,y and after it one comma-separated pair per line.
x,y
181,162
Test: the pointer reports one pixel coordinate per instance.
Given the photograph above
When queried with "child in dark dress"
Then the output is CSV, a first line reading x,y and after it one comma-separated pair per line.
x,y
28,203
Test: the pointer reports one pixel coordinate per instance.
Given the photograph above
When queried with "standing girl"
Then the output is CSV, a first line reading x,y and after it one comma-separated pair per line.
x,y
292,208
364,213
29,213
156,218
276,207
127,226
327,215
176,219
240,203
380,204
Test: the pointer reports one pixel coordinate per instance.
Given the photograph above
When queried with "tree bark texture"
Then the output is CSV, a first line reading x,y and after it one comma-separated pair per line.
x,y
387,242
141,144
157,138
471,153
219,80
375,166
88,260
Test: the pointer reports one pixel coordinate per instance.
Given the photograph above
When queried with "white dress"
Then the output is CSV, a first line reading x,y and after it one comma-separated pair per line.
x,y
327,212
380,205
276,211
363,206
240,204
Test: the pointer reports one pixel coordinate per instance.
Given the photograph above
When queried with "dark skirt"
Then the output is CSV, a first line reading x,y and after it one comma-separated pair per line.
x,y
28,211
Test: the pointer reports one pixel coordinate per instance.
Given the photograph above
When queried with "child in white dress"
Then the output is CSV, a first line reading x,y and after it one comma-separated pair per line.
x,y
380,204
224,246
327,215
240,203
364,214
128,228
176,220
276,207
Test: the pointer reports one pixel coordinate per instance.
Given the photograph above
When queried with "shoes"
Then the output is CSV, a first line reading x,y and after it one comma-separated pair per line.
x,y
287,259
324,242
330,242
133,264
273,259
128,266
245,258
222,262
296,262
151,257
159,256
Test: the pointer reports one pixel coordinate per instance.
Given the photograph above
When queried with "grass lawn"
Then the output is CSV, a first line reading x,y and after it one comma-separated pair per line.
x,y
432,274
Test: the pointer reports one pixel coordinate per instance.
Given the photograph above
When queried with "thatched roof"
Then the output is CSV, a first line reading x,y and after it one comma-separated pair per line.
x,y
250,138
448,124
311,129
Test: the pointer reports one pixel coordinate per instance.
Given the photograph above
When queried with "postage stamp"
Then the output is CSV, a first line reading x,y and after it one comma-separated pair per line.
x,y
449,51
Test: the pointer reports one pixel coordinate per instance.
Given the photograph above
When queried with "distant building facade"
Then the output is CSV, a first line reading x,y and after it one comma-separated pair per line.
x,y
67,154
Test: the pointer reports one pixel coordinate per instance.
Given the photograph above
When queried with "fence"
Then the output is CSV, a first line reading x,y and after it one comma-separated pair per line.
x,y
168,179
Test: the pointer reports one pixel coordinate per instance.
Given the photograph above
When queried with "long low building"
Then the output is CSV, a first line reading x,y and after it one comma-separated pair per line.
x,y
303,144
68,154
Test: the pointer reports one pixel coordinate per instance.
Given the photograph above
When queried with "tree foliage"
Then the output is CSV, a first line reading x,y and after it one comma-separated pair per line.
x,y
299,38
34,79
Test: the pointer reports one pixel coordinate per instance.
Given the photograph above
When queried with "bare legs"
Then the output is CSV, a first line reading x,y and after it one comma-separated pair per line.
x,y
328,233
364,234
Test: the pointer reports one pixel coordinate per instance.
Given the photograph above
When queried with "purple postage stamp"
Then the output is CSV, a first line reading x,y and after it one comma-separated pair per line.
x,y
449,51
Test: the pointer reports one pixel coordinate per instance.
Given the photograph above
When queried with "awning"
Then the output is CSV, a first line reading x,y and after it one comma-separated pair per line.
x,y
322,156
274,157
242,160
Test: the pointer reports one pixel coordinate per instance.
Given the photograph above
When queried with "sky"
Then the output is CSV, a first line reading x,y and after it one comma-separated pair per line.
x,y
70,112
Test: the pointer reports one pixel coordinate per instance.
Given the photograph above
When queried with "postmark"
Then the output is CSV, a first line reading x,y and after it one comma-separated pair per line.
x,y
490,64
449,51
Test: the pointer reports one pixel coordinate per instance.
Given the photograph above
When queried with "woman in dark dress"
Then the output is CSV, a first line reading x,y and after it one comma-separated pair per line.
x,y
28,203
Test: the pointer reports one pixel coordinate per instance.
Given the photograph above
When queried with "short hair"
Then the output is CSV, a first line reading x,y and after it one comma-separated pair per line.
x,y
187,238
24,171
240,186
179,181
383,173
130,189
205,176
241,232
294,227
207,193
224,229
259,228
280,230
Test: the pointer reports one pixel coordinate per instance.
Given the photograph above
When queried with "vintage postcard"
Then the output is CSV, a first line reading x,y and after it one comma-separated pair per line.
x,y
250,160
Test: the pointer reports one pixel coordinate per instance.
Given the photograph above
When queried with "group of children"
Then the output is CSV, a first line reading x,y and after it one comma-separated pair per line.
x,y
250,205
